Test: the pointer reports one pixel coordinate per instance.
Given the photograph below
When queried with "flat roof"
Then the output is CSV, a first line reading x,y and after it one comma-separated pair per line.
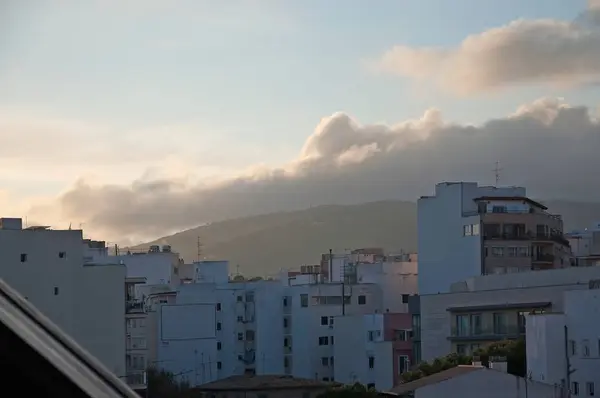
x,y
512,306
263,382
435,378
512,199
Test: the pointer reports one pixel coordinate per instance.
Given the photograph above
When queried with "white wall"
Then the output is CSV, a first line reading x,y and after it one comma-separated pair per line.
x,y
489,384
100,316
395,279
545,344
211,272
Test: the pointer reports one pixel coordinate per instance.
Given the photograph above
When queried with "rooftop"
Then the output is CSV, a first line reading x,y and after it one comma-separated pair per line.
x,y
435,378
512,199
262,382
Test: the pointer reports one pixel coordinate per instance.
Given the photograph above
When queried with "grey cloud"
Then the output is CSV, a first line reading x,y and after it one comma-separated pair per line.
x,y
547,146
521,52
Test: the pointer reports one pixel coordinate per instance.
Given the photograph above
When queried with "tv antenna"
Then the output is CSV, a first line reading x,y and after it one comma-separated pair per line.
x,y
199,249
497,171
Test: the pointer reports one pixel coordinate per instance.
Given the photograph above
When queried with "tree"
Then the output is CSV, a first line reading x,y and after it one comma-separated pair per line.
x,y
513,350
238,278
163,384
438,365
356,390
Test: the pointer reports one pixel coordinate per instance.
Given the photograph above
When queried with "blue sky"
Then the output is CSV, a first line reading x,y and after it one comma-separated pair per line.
x,y
233,83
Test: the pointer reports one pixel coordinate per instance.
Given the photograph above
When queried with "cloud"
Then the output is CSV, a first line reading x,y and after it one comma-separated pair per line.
x,y
522,52
547,145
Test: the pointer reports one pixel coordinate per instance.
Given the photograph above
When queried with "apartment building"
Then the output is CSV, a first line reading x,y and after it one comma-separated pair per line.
x,y
571,335
585,245
466,230
86,301
489,308
136,337
373,349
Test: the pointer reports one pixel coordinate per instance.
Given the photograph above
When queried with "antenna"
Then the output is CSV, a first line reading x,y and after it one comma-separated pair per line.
x,y
199,248
497,171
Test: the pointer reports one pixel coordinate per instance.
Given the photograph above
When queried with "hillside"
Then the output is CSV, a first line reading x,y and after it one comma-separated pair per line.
x,y
263,244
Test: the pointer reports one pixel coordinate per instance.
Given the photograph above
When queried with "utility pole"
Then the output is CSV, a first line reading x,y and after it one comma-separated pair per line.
x,y
497,171
569,370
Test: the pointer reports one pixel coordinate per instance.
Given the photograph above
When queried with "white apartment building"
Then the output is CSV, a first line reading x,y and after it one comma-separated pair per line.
x,y
573,335
466,230
217,328
85,300
586,245
489,308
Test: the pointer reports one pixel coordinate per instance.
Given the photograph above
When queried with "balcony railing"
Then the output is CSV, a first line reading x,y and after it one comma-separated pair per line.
x,y
543,258
497,332
136,378
526,236
134,306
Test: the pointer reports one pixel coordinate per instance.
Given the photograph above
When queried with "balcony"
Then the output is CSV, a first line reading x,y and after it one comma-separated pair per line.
x,y
560,239
136,379
543,258
134,307
497,333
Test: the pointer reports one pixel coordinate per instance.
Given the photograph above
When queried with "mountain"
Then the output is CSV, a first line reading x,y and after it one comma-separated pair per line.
x,y
263,244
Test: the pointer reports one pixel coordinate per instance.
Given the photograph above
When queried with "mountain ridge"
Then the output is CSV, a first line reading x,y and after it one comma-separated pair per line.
x,y
263,244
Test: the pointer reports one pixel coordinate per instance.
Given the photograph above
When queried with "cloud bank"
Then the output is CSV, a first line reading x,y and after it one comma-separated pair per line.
x,y
547,145
522,52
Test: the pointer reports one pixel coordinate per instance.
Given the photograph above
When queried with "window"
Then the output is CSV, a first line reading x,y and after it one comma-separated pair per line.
x,y
304,300
286,342
461,349
285,322
218,306
497,252
475,229
402,335
467,230
219,365
285,301
523,251
404,298
403,364
218,325
325,379
475,321
572,347
331,361
585,348
370,335
512,251
589,386
362,300
250,335
575,388
241,336
249,297
324,321
240,299
331,320
463,325
331,340
325,361
323,340
219,346
55,291
240,318
371,362
474,347
286,362
23,257
62,254
500,323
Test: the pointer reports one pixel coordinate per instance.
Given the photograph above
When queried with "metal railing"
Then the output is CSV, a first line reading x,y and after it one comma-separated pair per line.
x,y
498,330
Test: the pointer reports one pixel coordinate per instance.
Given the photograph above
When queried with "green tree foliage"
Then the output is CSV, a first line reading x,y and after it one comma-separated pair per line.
x,y
436,366
513,350
356,390
163,384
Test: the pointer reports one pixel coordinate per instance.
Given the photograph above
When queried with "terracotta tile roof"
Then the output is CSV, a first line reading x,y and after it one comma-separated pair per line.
x,y
435,378
263,382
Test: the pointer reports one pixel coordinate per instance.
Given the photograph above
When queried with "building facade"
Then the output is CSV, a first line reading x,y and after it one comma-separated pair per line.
x,y
493,307
466,230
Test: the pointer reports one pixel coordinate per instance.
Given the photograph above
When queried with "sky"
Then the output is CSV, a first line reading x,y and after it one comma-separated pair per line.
x,y
133,119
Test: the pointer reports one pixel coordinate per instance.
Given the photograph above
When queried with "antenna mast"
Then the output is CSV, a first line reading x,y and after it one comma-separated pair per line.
x,y
199,249
497,171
